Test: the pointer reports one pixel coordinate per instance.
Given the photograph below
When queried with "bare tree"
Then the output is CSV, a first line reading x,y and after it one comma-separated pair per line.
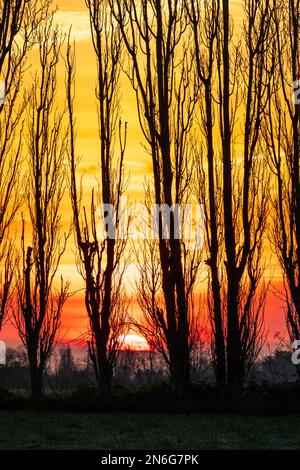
x,y
40,303
149,290
102,262
204,24
236,192
18,24
282,138
159,71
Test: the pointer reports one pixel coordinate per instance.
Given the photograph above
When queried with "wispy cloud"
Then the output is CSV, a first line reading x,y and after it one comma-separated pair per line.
x,y
79,20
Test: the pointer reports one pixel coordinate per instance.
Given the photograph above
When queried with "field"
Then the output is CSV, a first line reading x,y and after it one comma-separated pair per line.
x,y
36,430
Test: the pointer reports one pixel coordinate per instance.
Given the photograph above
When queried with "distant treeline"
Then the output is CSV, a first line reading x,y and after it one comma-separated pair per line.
x,y
134,370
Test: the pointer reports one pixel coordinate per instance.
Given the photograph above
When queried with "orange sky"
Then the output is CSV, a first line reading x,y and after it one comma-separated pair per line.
x,y
137,163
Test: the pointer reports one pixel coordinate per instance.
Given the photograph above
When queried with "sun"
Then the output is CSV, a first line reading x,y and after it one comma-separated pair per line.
x,y
134,342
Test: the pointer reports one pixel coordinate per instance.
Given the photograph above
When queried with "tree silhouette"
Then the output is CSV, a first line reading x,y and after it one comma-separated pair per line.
x,y
153,325
282,137
102,261
205,26
18,23
237,193
40,304
153,33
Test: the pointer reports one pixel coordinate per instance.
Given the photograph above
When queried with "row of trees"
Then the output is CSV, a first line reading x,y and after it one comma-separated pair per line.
x,y
220,125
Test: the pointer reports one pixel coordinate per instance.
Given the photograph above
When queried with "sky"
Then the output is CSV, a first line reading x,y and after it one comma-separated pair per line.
x,y
137,163
75,14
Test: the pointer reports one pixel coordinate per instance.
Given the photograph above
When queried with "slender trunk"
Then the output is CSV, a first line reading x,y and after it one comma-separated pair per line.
x,y
171,262
35,374
179,371
101,331
234,367
220,358
104,378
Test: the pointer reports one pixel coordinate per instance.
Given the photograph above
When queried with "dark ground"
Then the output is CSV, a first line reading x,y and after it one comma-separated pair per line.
x,y
63,430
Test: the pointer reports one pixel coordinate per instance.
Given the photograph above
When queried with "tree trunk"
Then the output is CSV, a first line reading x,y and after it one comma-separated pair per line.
x,y
35,376
234,366
220,359
235,369
180,371
104,372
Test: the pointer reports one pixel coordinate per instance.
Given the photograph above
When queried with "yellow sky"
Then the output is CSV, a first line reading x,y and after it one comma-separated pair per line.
x,y
137,163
